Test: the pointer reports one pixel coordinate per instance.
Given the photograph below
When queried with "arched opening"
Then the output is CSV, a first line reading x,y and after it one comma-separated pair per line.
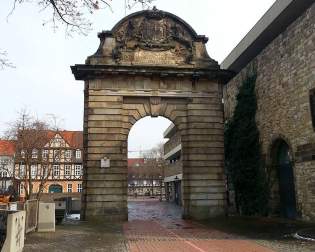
x,y
55,189
145,76
282,161
154,169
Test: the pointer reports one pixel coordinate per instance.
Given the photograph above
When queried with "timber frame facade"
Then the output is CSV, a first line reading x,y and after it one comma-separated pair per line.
x,y
56,167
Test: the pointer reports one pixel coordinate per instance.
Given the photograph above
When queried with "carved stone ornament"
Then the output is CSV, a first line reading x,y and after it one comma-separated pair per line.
x,y
155,106
152,38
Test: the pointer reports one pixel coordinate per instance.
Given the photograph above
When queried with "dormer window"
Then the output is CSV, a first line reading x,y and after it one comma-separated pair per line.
x,y
78,154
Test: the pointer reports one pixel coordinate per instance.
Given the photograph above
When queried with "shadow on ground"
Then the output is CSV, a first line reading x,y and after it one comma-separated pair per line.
x,y
79,236
275,233
153,223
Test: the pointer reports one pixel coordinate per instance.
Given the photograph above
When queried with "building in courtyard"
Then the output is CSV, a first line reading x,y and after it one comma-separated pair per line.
x,y
7,152
173,170
145,177
280,48
58,163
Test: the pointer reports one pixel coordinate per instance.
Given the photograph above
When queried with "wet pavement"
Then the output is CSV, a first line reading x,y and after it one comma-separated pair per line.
x,y
155,226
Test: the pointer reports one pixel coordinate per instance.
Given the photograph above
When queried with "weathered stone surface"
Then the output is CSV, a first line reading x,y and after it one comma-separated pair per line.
x,y
124,82
285,76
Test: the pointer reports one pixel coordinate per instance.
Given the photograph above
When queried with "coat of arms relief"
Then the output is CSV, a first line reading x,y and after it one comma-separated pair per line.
x,y
152,39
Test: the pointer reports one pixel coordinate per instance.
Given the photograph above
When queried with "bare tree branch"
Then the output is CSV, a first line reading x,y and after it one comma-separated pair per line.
x,y
74,14
4,62
30,136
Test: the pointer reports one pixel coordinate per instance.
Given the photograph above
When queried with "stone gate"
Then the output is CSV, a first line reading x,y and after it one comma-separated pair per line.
x,y
152,63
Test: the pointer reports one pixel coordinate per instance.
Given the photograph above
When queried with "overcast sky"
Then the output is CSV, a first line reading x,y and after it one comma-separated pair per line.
x,y
42,80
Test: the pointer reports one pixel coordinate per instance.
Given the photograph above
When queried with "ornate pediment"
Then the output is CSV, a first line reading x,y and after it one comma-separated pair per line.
x,y
155,37
152,38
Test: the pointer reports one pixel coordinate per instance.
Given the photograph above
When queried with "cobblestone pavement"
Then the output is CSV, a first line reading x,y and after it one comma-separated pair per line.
x,y
157,227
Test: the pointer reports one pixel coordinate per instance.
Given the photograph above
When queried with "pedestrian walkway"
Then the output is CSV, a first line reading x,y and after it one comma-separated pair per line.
x,y
157,227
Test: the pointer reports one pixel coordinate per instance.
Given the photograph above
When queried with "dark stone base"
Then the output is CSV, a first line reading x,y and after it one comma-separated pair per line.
x,y
203,212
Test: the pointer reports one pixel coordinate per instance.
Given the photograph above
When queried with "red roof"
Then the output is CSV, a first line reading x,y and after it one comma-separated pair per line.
x,y
7,148
134,161
73,138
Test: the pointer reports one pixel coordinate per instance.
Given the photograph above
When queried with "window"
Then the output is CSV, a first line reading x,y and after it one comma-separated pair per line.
x,y
3,174
67,170
22,170
34,153
56,170
33,171
45,154
312,106
77,170
79,187
68,154
69,189
55,189
77,154
22,154
57,155
21,188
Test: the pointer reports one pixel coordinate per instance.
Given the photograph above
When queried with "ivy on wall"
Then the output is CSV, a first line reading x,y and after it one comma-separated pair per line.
x,y
243,153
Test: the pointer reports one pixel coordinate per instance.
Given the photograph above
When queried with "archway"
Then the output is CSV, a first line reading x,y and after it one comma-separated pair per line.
x,y
152,144
55,188
282,161
152,63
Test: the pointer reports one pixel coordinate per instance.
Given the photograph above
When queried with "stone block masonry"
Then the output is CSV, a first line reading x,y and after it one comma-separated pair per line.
x,y
285,77
122,86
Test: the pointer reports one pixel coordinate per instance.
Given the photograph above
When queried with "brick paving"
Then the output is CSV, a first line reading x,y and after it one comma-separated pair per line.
x,y
157,227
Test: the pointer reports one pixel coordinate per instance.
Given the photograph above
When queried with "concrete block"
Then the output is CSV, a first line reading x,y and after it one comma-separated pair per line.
x,y
46,217
14,222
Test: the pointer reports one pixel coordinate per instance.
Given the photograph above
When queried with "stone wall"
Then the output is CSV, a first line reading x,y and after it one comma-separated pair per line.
x,y
144,67
286,75
115,104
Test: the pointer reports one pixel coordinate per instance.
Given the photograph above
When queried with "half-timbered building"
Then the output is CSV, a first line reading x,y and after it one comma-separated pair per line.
x,y
54,168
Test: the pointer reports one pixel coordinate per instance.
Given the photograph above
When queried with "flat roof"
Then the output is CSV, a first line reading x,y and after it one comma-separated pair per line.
x,y
169,132
173,151
280,15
